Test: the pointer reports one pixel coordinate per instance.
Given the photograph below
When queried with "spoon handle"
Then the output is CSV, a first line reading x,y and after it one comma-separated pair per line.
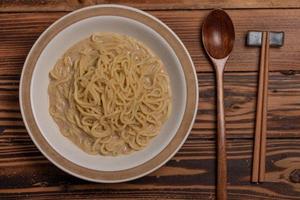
x,y
221,141
219,65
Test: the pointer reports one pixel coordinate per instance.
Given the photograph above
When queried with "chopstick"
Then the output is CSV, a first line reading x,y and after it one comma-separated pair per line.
x,y
264,114
257,171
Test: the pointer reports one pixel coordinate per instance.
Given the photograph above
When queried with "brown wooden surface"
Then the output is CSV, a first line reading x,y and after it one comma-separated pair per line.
x,y
26,174
69,5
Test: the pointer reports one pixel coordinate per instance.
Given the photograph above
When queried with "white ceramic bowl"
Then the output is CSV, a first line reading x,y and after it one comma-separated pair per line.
x,y
55,48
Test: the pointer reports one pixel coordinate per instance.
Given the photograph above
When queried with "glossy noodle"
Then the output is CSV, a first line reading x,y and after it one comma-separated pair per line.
x,y
109,94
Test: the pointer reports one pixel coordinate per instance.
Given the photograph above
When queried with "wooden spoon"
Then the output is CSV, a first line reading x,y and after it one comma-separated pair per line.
x,y
218,39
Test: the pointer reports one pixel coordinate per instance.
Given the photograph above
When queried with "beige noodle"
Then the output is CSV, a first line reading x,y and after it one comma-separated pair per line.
x,y
109,94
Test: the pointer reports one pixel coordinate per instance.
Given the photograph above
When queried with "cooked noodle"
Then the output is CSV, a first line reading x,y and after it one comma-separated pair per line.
x,y
109,94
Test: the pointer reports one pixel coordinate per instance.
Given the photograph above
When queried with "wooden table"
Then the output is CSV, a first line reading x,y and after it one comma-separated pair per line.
x,y
26,174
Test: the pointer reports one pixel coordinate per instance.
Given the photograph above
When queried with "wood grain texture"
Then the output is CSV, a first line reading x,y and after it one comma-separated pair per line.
x,y
240,101
69,5
17,38
26,174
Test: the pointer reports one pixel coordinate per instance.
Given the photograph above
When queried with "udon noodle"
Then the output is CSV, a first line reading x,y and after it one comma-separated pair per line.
x,y
109,94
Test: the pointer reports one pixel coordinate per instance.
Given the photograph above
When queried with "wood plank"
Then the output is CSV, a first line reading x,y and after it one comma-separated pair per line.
x,y
17,38
57,5
25,173
240,100
240,105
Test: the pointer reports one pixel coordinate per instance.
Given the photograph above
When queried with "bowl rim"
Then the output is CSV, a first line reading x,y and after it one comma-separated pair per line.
x,y
188,117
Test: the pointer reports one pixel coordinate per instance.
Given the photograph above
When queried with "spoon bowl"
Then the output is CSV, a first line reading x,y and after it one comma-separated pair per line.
x,y
218,34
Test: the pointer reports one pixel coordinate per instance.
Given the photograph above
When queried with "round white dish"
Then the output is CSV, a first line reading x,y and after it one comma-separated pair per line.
x,y
55,47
